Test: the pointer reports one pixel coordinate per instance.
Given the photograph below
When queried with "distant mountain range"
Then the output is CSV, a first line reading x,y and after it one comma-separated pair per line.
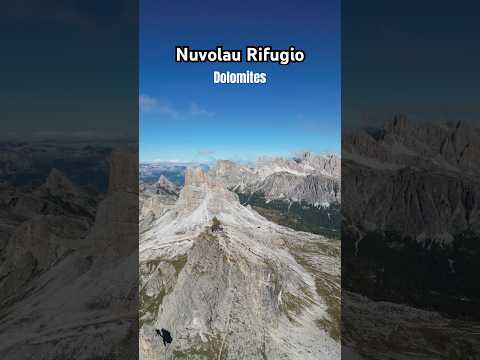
x,y
150,171
312,179
85,163
420,180
309,178
302,192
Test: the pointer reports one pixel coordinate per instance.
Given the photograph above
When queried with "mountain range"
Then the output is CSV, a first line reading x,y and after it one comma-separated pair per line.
x,y
150,171
419,180
410,240
227,282
67,272
313,179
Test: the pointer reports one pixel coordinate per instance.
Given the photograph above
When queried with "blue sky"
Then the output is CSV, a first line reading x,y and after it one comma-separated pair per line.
x,y
185,117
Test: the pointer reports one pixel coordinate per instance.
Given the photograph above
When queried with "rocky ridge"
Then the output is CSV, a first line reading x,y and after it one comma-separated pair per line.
x,y
313,179
420,180
64,255
410,241
155,199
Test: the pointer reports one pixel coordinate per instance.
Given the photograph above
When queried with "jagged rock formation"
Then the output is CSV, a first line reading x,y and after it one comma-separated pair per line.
x,y
419,180
311,189
166,185
60,295
155,199
116,222
410,244
313,179
251,290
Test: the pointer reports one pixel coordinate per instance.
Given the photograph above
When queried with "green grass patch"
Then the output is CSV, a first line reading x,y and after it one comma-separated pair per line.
x,y
209,350
326,286
302,216
293,305
151,304
330,293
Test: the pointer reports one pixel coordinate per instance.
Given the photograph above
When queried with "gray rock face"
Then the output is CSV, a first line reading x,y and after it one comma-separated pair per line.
x,y
312,189
67,288
251,290
155,199
163,184
416,179
383,330
410,181
314,179
232,174
39,227
413,202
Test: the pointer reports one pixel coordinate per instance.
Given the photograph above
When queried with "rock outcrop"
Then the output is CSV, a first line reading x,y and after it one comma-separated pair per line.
x,y
155,199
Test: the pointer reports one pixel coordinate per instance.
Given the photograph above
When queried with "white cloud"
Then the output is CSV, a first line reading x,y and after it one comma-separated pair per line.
x,y
168,160
205,152
151,104
196,110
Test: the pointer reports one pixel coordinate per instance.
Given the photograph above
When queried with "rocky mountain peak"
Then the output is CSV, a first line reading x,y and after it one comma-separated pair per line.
x,y
166,184
59,185
200,189
123,172
398,124
162,180
306,155
196,177
223,167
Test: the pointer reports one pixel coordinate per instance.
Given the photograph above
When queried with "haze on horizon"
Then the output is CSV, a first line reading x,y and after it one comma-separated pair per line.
x,y
210,157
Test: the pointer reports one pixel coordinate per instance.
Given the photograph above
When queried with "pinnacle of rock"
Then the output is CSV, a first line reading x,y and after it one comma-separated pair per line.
x,y
165,184
123,172
399,123
196,177
58,184
306,155
163,181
